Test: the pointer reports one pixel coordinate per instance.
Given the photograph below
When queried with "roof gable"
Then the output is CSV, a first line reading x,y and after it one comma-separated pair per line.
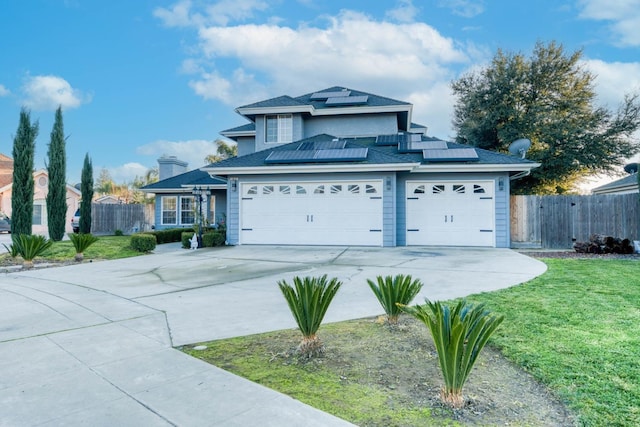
x,y
181,182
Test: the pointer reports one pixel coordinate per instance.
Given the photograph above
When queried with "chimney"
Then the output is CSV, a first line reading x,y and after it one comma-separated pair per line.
x,y
170,166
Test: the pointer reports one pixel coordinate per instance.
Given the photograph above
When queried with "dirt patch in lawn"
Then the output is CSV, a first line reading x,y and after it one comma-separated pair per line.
x,y
375,375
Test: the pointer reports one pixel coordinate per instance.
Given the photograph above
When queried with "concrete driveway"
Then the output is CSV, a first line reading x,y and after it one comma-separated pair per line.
x,y
92,343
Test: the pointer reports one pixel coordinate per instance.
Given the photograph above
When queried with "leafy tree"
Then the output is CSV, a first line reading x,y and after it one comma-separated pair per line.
x,y
549,99
149,177
57,170
86,188
24,147
224,151
105,184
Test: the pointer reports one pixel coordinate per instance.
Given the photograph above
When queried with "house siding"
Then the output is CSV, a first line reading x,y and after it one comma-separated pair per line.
x,y
351,125
388,199
501,202
220,208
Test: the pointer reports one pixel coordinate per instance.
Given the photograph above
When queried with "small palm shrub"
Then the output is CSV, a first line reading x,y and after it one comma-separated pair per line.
x,y
392,291
29,246
459,334
12,250
143,242
81,242
309,299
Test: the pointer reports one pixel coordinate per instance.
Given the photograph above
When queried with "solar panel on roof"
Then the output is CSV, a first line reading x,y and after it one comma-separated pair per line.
x,y
347,100
430,145
387,139
326,95
322,145
450,155
329,155
290,156
346,154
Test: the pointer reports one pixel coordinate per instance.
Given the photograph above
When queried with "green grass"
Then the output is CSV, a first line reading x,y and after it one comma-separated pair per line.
x,y
577,329
107,247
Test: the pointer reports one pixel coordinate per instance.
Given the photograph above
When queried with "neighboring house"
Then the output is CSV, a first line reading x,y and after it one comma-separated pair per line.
x,y
175,203
40,190
107,199
344,167
626,185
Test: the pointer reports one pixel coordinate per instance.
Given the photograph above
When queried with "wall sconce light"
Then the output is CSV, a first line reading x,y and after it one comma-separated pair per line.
x,y
388,182
234,184
501,183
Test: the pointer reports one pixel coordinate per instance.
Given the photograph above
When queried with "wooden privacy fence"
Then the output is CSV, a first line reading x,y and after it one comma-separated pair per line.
x,y
556,222
107,218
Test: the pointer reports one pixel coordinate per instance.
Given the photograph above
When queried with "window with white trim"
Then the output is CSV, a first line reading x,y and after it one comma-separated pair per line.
x,y
278,128
187,210
169,209
38,212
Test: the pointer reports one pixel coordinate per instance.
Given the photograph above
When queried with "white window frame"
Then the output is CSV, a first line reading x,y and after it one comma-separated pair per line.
x,y
43,213
188,210
163,209
283,131
211,214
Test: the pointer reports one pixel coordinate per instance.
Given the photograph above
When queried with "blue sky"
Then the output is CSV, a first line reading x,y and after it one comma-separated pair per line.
x,y
139,79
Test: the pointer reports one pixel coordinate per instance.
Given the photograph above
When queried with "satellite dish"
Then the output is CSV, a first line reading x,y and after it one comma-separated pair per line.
x,y
631,168
519,147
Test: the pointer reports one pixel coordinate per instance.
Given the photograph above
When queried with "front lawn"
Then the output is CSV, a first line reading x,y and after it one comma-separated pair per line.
x,y
576,329
107,247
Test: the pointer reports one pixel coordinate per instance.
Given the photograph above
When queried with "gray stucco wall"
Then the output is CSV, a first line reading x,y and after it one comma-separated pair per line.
x,y
351,125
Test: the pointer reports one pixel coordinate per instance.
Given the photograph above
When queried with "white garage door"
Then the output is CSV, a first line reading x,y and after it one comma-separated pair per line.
x,y
451,213
312,213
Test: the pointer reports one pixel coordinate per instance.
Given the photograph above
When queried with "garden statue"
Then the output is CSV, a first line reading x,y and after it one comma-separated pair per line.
x,y
194,241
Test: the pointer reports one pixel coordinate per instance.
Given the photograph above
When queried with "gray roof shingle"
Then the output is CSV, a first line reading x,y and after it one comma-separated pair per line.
x,y
194,177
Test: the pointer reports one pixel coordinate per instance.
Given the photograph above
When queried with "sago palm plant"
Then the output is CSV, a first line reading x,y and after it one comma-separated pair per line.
x,y
309,299
81,242
392,291
459,334
30,246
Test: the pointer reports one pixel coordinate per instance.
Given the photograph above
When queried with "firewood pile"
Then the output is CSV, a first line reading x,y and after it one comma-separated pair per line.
x,y
602,244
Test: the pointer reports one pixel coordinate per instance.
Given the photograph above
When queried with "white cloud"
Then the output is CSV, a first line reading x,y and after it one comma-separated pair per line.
x,y
49,92
464,8
404,12
614,80
4,91
624,16
126,172
395,60
181,14
192,151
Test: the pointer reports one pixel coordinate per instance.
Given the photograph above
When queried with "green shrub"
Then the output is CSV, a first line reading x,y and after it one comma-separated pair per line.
x,y
459,334
118,233
30,246
308,300
392,291
170,235
213,238
81,242
12,250
143,242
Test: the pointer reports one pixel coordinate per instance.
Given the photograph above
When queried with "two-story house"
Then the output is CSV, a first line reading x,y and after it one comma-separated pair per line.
x,y
345,167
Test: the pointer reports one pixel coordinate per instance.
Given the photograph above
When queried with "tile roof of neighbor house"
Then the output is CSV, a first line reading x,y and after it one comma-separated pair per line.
x,y
195,177
627,181
376,154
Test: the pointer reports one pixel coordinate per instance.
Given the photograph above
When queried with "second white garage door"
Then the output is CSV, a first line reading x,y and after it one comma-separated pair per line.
x,y
312,213
451,213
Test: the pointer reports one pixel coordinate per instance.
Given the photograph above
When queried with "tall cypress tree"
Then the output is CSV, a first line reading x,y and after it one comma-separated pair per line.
x,y
86,187
57,169
24,147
